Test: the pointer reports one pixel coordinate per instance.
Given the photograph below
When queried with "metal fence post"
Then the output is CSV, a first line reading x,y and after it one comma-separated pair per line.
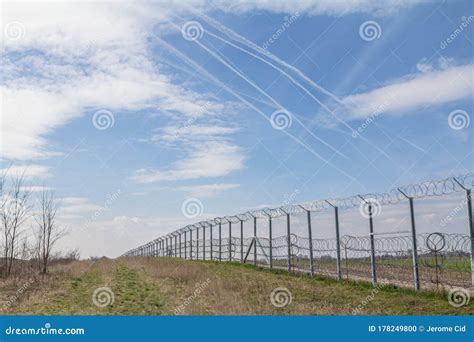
x,y
185,246
241,241
197,243
416,274
166,246
211,243
471,225
175,246
230,241
310,237
338,244
372,246
471,229
204,242
190,243
180,246
288,232
338,241
270,242
220,241
255,239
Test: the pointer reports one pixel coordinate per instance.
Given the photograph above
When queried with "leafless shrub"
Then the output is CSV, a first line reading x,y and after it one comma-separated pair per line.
x,y
14,212
47,231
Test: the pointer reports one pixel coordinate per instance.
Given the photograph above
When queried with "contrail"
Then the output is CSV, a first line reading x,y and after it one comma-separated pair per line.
x,y
249,81
196,66
299,85
233,35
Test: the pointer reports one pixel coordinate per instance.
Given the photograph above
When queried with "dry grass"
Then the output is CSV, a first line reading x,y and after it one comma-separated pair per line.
x,y
156,286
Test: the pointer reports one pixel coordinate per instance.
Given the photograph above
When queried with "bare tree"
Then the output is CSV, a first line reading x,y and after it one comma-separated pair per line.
x,y
15,211
48,231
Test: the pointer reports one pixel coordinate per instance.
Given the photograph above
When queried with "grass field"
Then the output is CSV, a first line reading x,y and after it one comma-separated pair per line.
x,y
160,286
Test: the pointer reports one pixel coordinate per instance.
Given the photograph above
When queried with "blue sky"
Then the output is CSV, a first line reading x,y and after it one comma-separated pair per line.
x,y
128,110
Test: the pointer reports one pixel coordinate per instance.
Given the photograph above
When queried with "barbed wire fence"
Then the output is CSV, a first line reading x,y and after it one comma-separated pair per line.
x,y
400,257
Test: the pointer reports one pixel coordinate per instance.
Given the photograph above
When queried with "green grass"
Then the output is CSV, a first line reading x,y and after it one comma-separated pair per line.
x,y
157,286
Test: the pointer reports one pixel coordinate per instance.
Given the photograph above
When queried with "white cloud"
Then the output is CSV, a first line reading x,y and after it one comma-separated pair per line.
x,y
36,188
429,88
207,159
77,208
63,67
317,7
424,67
208,190
30,171
195,132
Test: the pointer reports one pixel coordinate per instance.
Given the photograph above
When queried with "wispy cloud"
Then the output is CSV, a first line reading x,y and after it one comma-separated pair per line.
x,y
77,207
208,190
419,90
29,171
195,132
208,159
36,188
